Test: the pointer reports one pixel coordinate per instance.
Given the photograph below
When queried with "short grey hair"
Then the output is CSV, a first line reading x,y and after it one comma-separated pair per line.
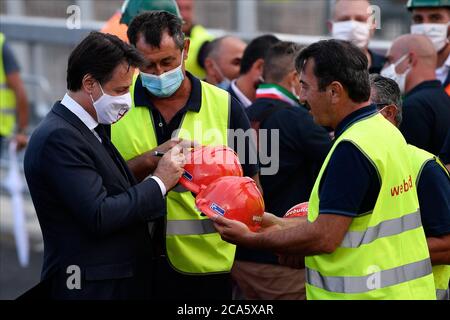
x,y
386,91
213,48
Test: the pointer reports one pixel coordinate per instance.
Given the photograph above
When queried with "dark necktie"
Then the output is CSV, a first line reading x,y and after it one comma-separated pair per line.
x,y
106,142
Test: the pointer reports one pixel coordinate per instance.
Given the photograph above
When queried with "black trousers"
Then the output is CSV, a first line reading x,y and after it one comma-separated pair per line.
x,y
172,285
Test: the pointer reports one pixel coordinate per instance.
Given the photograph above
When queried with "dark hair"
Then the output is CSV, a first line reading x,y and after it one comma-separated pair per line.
x,y
385,91
280,60
98,55
337,60
256,49
152,25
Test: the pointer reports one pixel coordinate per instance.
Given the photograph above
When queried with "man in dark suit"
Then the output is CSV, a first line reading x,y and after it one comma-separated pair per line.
x,y
93,215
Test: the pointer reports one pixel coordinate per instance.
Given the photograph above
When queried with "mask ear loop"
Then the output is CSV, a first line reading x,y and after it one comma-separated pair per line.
x,y
100,89
381,110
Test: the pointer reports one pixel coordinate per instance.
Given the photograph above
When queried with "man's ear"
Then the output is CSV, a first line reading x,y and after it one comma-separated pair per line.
x,y
87,83
209,68
330,26
258,65
187,44
295,77
391,111
336,91
412,58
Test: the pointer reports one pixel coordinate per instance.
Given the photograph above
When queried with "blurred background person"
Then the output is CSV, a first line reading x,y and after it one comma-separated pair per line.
x,y
223,60
118,23
303,146
432,19
198,35
250,75
13,98
432,182
352,21
411,62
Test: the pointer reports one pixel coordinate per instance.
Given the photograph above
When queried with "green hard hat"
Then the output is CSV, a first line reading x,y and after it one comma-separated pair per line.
x,y
413,4
132,8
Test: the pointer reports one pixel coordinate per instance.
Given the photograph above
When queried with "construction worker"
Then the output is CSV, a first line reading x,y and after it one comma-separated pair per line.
x,y
432,18
303,145
363,237
197,34
13,98
118,23
169,102
432,183
353,22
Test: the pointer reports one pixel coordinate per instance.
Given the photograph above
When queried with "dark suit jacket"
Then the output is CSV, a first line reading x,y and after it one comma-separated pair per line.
x,y
234,95
92,214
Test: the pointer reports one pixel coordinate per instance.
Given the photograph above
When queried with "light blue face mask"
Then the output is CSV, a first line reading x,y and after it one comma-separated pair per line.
x,y
166,84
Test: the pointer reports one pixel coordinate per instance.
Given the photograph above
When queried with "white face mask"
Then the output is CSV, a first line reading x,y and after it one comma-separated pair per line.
x,y
111,109
400,79
436,32
354,31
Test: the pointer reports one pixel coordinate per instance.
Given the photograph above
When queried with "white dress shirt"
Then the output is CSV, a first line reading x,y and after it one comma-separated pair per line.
x,y
91,123
442,72
242,97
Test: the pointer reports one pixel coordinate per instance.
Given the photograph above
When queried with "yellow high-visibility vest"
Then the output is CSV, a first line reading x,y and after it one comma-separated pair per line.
x,y
441,273
384,254
7,99
198,37
193,246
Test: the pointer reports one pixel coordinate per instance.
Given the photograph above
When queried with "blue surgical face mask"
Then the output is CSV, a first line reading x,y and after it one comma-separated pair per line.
x,y
166,84
225,83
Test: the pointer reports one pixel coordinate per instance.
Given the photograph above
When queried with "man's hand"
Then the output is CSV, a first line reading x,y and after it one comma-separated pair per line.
x,y
169,144
21,140
234,231
271,222
170,167
146,163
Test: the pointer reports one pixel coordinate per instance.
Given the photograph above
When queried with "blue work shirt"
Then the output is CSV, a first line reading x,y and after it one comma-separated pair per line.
x,y
350,184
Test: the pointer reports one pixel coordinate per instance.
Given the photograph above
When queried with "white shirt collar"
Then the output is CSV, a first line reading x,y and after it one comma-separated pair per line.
x,y
242,98
79,111
442,72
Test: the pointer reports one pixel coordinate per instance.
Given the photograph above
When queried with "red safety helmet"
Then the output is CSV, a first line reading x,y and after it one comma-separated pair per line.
x,y
205,164
236,198
299,210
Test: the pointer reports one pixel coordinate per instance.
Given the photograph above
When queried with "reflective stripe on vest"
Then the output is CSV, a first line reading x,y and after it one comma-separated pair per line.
x,y
443,294
384,278
8,111
441,273
7,99
387,245
189,227
354,239
192,245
